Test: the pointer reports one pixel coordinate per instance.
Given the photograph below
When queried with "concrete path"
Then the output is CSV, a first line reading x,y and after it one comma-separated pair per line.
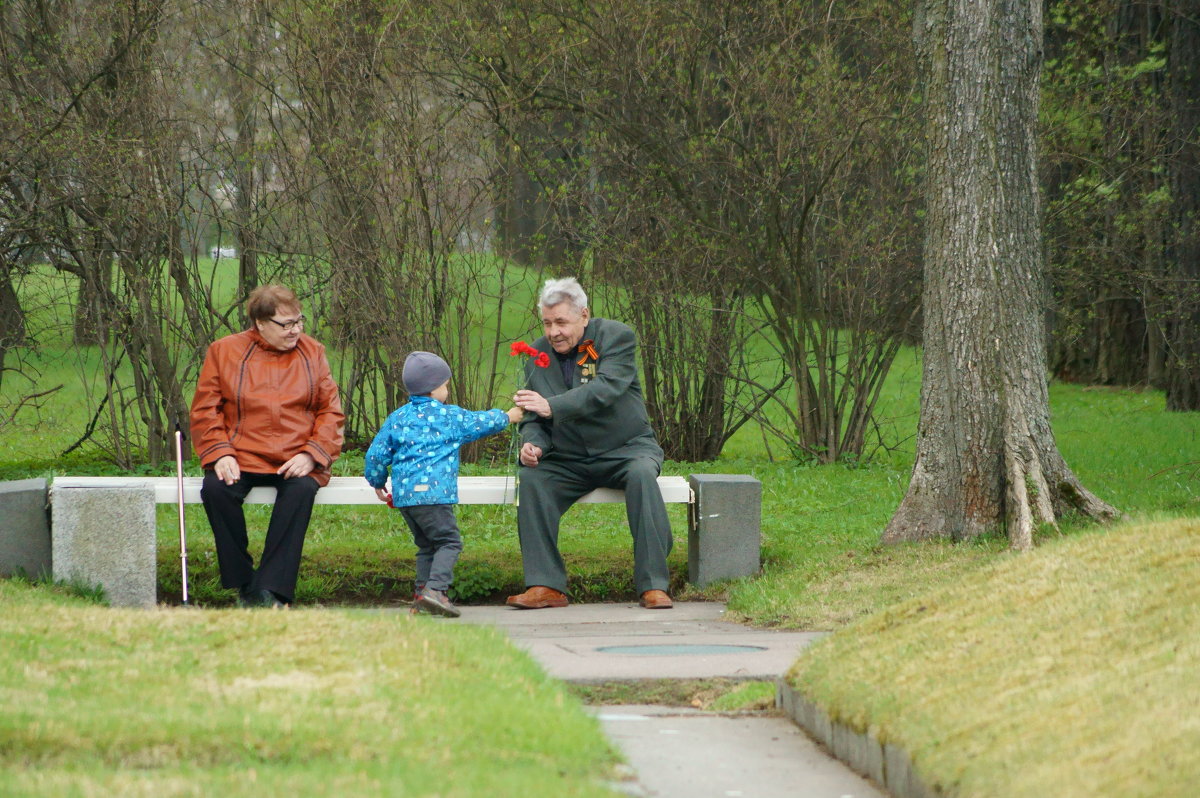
x,y
686,752
614,642
676,751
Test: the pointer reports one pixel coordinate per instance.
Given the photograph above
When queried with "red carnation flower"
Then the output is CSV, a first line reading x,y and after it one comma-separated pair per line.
x,y
522,348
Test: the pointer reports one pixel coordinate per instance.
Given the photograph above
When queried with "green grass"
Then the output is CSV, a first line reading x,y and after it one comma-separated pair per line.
x,y
1059,672
365,555
824,565
250,703
1068,671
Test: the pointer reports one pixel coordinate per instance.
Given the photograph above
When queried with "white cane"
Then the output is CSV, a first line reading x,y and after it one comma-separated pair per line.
x,y
182,529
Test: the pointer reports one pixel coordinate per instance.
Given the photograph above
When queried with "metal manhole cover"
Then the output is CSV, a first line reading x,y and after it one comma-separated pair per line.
x,y
678,649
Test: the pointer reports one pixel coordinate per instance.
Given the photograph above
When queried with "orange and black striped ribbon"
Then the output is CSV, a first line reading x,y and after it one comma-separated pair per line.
x,y
589,352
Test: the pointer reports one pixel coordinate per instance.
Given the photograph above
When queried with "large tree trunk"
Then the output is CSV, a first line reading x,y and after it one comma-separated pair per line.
x,y
985,453
1183,68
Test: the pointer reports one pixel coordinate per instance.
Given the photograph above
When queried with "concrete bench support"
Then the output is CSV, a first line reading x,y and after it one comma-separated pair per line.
x,y
106,537
24,528
724,534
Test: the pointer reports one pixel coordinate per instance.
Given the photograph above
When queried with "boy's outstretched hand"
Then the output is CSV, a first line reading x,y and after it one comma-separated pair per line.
x,y
515,414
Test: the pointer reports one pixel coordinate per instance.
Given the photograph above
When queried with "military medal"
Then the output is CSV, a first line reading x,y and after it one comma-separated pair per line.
x,y
587,368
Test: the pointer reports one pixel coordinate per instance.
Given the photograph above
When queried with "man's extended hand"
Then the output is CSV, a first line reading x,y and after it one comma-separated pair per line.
x,y
530,454
299,466
534,402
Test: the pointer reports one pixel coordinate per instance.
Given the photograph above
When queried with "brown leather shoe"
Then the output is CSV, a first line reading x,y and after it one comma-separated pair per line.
x,y
538,597
656,600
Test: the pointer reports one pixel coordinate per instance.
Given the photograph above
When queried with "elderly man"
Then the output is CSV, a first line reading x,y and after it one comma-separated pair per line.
x,y
586,427
266,412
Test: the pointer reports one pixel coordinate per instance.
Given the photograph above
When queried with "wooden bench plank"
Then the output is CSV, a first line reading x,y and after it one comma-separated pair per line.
x,y
355,490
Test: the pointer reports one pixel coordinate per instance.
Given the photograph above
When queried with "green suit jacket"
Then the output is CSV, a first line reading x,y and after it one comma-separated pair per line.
x,y
602,409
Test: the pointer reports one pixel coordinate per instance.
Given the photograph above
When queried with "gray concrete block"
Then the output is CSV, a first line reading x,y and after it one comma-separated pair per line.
x,y
900,778
821,724
24,528
725,533
804,713
885,764
105,537
862,752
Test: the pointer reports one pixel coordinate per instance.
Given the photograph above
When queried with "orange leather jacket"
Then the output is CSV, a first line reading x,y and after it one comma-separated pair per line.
x,y
265,406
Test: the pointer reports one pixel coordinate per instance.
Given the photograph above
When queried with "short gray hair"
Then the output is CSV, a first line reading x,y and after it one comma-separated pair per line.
x,y
567,289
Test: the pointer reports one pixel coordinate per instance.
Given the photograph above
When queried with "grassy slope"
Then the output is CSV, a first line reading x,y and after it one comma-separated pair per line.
x,y
824,565
1069,671
246,703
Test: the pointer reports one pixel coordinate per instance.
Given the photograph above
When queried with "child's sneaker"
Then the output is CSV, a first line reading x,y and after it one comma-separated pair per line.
x,y
415,606
436,602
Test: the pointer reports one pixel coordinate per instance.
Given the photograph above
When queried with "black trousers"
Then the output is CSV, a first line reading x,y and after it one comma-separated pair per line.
x,y
280,562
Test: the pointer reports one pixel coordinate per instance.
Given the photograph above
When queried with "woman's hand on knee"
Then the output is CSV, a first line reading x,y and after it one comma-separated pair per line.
x,y
299,466
227,469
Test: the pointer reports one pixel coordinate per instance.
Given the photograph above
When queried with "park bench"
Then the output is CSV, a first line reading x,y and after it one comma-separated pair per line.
x,y
102,530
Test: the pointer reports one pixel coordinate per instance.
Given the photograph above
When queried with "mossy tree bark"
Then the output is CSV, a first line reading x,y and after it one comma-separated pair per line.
x,y
986,455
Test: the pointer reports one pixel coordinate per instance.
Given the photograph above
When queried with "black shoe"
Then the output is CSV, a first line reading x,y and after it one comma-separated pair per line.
x,y
261,598
249,598
271,601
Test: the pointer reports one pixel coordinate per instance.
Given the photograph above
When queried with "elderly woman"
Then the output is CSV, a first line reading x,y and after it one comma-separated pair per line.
x,y
266,412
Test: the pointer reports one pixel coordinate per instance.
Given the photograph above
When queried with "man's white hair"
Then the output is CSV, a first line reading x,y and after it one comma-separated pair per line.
x,y
567,289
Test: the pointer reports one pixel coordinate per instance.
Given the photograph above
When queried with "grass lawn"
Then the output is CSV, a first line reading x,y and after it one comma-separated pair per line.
x,y
1061,671
1068,671
175,702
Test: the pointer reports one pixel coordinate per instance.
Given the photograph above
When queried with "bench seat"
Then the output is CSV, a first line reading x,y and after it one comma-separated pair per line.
x,y
355,490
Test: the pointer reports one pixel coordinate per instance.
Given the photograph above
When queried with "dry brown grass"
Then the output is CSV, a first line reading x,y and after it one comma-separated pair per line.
x,y
1069,671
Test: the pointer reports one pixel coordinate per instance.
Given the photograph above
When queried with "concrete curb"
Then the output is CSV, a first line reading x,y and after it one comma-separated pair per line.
x,y
885,764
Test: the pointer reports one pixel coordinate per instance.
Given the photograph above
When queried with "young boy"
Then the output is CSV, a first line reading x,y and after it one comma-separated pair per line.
x,y
419,445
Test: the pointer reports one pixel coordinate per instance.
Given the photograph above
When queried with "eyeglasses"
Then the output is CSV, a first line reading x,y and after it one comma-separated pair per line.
x,y
288,326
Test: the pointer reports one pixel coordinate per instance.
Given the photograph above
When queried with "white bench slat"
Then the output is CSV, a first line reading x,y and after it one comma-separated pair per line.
x,y
355,490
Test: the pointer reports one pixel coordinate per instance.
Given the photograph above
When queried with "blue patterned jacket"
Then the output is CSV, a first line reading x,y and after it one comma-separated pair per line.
x,y
419,444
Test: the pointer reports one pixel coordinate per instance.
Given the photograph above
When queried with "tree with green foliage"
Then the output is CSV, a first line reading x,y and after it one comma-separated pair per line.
x,y
1104,182
1183,75
743,179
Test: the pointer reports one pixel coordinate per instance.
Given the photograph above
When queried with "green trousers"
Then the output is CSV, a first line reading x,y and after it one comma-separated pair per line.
x,y
549,489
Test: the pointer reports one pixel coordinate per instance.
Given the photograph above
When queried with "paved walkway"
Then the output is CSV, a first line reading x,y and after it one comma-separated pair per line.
x,y
612,642
676,751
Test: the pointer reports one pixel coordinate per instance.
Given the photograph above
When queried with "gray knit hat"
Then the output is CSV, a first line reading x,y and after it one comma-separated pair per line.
x,y
424,371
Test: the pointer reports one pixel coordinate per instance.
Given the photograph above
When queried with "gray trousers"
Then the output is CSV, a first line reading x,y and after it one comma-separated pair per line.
x,y
550,488
435,531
